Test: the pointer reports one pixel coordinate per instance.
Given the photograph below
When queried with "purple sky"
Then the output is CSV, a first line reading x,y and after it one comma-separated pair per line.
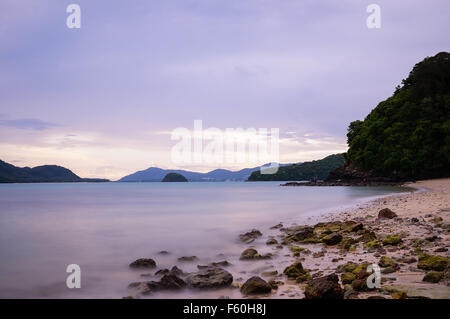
x,y
102,100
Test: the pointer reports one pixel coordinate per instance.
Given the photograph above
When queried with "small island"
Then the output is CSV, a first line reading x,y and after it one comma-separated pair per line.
x,y
174,177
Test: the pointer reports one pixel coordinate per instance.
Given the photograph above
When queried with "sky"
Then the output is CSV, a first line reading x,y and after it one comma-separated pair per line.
x,y
103,100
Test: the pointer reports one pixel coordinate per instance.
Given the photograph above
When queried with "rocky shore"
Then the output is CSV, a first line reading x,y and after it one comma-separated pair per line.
x,y
404,236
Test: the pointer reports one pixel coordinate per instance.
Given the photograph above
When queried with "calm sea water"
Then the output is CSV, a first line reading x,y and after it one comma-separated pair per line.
x,y
103,227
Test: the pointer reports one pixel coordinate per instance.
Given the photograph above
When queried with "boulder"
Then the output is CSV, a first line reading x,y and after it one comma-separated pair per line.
x,y
433,276
143,263
256,285
386,261
324,288
430,262
251,254
297,272
211,277
386,213
187,258
250,236
332,239
392,240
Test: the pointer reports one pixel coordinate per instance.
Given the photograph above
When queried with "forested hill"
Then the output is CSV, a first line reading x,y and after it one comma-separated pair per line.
x,y
407,136
302,172
40,174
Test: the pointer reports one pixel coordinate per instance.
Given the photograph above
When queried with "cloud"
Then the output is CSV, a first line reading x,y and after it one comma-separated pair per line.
x,y
28,124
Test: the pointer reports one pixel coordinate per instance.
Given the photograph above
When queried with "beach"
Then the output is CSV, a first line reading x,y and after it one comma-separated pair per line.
x,y
422,224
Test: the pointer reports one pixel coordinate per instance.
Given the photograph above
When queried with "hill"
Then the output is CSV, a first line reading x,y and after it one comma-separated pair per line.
x,y
155,174
40,174
407,136
305,171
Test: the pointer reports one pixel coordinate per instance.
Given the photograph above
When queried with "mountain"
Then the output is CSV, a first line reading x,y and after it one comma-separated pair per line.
x,y
407,136
40,174
155,174
174,177
304,171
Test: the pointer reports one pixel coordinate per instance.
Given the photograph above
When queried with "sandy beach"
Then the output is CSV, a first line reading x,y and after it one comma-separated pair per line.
x,y
422,223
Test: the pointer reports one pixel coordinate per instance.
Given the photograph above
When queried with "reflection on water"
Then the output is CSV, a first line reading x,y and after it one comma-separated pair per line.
x,y
103,227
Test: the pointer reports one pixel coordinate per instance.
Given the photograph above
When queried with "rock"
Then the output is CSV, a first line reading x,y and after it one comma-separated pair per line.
x,y
390,269
143,263
347,243
251,254
433,276
170,282
269,273
298,250
176,271
250,236
140,287
392,240
280,225
386,213
324,288
432,238
274,284
386,261
161,272
332,239
429,262
372,245
414,220
348,267
437,219
187,258
367,236
441,250
399,295
271,241
223,263
211,277
255,285
408,260
347,278
296,271
303,233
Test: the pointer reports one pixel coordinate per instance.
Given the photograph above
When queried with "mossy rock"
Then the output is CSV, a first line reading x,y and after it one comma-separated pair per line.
x,y
433,276
347,243
392,240
386,261
303,277
295,270
360,270
347,278
399,295
430,262
332,239
298,250
348,267
367,236
372,245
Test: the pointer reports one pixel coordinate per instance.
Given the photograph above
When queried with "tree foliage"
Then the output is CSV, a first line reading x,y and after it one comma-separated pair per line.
x,y
407,135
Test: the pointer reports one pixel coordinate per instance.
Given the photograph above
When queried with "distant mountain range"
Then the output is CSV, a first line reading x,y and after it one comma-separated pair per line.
x,y
155,174
40,174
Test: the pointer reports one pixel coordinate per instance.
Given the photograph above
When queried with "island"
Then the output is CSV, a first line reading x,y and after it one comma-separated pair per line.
x,y
174,177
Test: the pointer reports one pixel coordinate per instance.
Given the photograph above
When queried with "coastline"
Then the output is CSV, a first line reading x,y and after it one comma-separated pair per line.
x,y
430,204
273,253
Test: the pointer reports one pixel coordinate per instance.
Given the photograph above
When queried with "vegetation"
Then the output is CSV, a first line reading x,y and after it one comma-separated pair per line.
x,y
301,172
174,177
407,135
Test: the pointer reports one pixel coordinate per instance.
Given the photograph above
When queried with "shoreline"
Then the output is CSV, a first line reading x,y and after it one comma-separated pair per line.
x,y
430,204
421,225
